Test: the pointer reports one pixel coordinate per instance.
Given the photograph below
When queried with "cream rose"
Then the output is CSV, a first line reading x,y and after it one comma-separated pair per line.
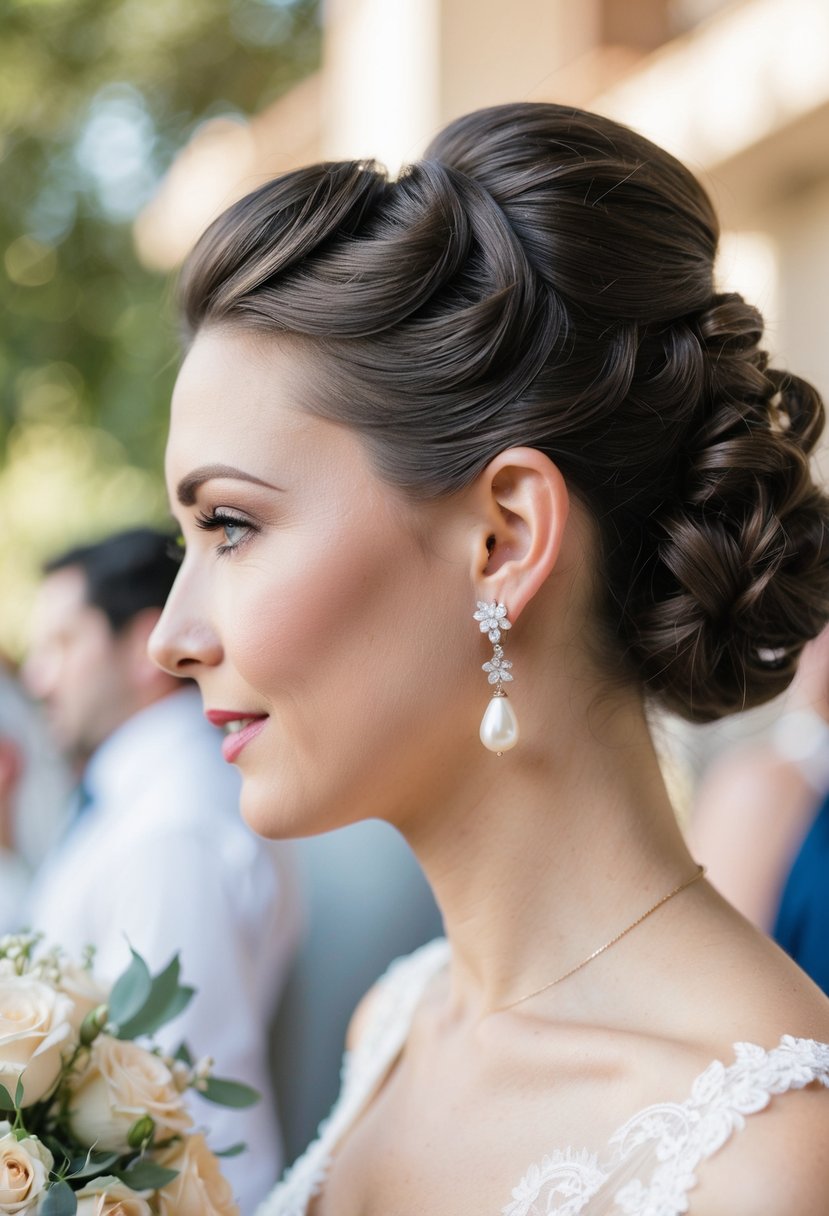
x,y
24,1171
34,1028
111,1197
121,1083
84,991
200,1188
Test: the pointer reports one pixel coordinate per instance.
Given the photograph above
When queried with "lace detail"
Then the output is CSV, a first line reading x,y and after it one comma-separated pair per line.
x,y
664,1144
652,1159
567,1175
397,996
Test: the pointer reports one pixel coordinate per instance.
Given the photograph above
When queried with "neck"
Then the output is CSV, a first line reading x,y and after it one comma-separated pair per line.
x,y
559,846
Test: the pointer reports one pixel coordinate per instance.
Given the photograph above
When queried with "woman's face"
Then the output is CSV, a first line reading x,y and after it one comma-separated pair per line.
x,y
313,600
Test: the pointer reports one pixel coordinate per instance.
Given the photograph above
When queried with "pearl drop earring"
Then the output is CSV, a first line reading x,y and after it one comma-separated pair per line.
x,y
499,725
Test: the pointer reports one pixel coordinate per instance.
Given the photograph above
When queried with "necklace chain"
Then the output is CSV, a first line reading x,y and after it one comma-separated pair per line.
x,y
552,983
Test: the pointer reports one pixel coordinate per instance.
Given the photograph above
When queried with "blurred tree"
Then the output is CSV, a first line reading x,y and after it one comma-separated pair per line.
x,y
96,97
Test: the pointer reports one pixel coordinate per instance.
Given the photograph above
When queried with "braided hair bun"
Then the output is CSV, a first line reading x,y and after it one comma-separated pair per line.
x,y
544,277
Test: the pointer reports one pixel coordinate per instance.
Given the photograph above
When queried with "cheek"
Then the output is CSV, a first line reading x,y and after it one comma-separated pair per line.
x,y
327,612
354,649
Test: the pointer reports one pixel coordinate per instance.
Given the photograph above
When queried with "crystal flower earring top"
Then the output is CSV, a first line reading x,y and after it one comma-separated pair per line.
x,y
499,725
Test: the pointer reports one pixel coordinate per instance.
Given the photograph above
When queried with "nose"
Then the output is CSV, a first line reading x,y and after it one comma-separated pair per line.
x,y
182,640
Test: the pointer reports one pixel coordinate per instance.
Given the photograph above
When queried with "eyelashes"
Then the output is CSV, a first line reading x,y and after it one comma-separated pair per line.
x,y
224,521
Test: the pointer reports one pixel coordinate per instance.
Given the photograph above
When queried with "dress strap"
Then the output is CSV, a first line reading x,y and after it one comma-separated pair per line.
x,y
389,1017
682,1136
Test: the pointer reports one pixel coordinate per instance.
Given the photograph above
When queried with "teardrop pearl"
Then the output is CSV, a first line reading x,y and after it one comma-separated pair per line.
x,y
499,726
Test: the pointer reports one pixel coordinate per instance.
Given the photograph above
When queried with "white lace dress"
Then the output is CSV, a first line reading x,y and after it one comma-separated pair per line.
x,y
649,1166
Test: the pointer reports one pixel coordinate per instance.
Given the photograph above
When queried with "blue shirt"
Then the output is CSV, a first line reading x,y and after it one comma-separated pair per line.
x,y
802,924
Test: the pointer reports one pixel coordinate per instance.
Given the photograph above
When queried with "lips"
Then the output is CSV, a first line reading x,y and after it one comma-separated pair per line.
x,y
240,728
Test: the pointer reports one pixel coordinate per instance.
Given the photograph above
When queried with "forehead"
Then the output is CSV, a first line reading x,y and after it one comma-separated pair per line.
x,y
61,602
237,398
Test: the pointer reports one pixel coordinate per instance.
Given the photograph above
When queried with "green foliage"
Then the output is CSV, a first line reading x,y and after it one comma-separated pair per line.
x,y
131,991
96,99
165,1000
228,1093
91,1165
59,1200
146,1176
140,1004
235,1150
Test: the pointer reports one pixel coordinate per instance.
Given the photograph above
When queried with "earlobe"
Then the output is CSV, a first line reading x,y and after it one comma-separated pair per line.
x,y
525,505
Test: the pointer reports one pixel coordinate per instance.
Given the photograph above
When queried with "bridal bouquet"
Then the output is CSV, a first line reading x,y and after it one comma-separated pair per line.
x,y
91,1121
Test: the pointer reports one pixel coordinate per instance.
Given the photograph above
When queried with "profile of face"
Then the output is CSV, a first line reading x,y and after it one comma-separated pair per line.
x,y
77,667
315,599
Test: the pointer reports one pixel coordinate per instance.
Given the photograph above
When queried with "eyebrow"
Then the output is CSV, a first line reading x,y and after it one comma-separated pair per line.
x,y
188,486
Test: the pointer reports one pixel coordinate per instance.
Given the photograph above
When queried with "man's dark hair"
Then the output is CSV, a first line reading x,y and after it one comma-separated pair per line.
x,y
125,573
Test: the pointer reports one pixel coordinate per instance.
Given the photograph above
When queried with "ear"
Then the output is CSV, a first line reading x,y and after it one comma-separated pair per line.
x,y
523,505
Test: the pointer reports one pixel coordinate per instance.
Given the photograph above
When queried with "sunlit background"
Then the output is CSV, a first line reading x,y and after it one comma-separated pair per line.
x,y
126,125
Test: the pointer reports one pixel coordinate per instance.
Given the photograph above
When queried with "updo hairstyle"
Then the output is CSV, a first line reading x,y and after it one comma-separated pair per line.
x,y
544,277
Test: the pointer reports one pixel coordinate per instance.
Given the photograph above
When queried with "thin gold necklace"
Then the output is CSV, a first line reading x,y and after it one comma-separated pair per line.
x,y
559,979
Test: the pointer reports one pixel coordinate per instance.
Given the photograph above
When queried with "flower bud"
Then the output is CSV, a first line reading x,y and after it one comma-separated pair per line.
x,y
203,1068
93,1024
141,1132
181,1075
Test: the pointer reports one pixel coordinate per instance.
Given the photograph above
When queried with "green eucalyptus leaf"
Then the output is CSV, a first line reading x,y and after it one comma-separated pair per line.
x,y
184,1054
59,1151
131,991
163,988
18,1093
6,1101
233,1151
90,1164
59,1200
146,1176
160,1009
228,1093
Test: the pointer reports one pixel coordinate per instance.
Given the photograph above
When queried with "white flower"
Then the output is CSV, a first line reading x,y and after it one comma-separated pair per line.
x,y
492,618
85,992
24,1171
34,1028
200,1188
122,1083
109,1197
498,669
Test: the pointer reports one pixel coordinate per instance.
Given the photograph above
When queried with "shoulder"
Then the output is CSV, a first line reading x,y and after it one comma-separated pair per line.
x,y
393,998
776,1158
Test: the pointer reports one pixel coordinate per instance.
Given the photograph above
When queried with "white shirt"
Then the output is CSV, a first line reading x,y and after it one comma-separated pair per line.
x,y
162,859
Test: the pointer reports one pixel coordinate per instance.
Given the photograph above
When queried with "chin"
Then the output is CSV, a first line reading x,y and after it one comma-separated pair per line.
x,y
276,813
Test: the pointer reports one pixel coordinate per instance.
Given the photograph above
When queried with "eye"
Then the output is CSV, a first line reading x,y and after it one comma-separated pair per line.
x,y
236,531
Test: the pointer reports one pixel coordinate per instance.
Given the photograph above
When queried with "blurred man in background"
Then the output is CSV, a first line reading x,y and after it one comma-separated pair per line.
x,y
34,785
155,854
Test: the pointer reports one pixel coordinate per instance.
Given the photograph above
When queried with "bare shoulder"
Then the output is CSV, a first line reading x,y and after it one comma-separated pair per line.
x,y
777,1164
738,985
361,1017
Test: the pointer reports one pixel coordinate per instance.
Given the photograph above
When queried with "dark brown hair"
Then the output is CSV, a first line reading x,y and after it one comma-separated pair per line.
x,y
544,277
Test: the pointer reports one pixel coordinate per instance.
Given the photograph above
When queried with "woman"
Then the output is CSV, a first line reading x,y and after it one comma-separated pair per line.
x,y
761,821
505,384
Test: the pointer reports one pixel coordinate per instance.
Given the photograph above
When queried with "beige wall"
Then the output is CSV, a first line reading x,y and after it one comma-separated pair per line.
x,y
742,97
